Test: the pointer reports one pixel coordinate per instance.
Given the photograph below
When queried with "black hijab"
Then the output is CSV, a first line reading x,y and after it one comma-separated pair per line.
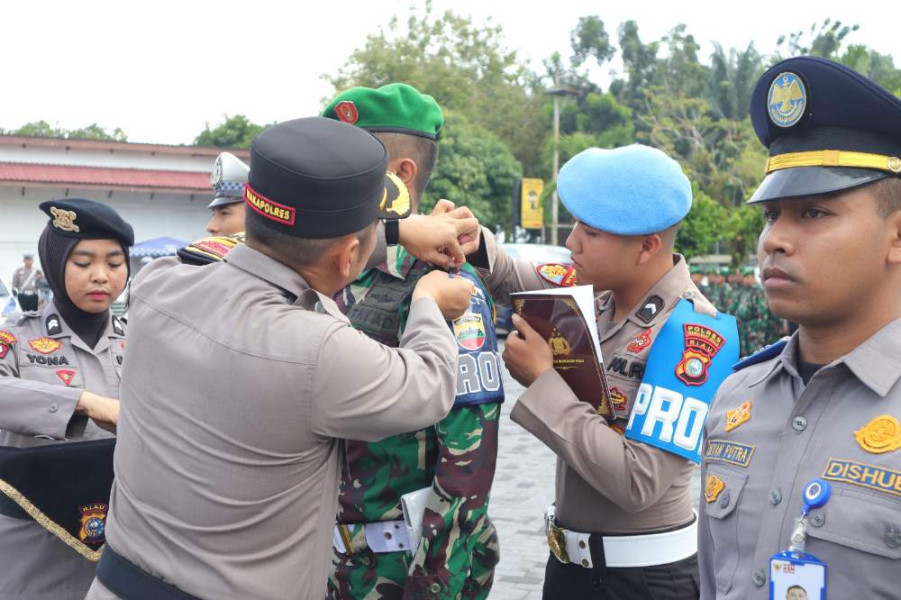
x,y
87,220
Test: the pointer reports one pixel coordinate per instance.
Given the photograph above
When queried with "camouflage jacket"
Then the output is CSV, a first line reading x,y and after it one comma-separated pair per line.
x,y
456,457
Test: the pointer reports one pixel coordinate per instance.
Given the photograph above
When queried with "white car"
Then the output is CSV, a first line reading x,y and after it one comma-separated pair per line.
x,y
8,302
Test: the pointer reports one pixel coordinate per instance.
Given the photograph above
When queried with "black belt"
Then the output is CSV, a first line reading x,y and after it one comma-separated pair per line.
x,y
130,582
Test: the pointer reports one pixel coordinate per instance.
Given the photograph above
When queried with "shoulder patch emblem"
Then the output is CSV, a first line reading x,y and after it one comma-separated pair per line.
x,y
701,345
93,523
737,416
881,435
651,309
470,331
7,339
66,375
640,343
559,274
713,488
45,345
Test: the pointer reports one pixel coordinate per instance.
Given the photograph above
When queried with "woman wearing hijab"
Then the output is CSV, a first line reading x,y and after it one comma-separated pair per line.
x,y
59,383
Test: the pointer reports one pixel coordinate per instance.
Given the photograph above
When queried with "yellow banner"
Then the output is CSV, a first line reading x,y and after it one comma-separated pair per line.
x,y
532,211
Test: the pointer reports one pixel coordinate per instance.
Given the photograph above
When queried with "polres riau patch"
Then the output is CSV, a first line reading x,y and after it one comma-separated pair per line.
x,y
269,209
701,345
786,100
729,452
559,274
93,523
863,475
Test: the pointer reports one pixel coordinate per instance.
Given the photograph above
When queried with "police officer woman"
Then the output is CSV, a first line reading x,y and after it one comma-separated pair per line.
x,y
59,382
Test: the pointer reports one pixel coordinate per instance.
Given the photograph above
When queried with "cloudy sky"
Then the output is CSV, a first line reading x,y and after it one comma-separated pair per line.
x,y
161,69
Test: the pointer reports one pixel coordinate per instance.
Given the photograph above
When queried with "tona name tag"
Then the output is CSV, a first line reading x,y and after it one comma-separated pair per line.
x,y
863,475
729,452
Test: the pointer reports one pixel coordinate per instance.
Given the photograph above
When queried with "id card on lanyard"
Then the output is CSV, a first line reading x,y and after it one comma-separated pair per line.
x,y
795,574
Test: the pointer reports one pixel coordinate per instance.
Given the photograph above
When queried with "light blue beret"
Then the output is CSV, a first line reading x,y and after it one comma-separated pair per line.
x,y
633,190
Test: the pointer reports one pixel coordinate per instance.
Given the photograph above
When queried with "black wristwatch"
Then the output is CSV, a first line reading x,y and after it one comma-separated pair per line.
x,y
392,232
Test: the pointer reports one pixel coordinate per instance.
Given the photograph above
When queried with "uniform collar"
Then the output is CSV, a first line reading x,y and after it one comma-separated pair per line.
x,y
268,269
55,327
271,271
874,362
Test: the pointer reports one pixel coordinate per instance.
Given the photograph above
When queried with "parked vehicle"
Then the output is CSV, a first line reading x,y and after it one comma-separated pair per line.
x,y
534,253
8,302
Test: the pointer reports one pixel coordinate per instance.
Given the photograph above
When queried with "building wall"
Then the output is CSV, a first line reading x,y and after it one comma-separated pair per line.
x,y
151,215
61,155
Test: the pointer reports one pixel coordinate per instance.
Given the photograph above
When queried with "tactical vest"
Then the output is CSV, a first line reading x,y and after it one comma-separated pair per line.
x,y
479,373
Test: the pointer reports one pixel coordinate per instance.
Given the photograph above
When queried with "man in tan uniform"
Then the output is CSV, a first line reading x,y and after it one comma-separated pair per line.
x,y
229,451
823,407
25,283
624,526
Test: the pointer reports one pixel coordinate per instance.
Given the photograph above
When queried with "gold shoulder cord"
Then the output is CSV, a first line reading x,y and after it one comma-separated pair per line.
x,y
45,522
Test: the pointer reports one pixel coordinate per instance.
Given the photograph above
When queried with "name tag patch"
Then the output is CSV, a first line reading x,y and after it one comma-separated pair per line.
x,y
863,475
729,452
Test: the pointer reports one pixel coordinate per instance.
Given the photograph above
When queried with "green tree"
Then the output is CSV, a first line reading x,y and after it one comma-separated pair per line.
x,y
91,132
703,227
475,168
236,131
466,68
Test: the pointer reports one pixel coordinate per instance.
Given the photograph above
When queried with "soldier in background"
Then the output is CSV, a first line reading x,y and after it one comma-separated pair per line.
x,y
228,178
455,459
25,283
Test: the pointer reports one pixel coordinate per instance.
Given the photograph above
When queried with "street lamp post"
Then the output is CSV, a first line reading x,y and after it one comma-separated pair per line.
x,y
557,92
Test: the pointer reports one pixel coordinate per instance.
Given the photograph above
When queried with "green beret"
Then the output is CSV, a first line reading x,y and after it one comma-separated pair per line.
x,y
396,107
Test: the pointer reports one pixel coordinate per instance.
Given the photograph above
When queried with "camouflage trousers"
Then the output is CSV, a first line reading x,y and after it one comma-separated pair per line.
x,y
366,575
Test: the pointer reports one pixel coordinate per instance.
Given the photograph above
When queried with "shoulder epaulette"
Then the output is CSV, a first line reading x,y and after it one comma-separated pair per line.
x,y
770,352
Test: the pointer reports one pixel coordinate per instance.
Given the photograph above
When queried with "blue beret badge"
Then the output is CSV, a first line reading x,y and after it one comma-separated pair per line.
x,y
787,99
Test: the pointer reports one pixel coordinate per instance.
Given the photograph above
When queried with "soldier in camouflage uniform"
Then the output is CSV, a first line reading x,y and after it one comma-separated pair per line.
x,y
374,557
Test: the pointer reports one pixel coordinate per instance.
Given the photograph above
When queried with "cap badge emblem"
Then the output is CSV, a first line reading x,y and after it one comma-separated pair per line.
x,y
347,112
64,219
787,100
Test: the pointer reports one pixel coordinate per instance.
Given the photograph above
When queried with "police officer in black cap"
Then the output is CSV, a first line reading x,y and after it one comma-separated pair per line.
x,y
229,451
802,467
59,382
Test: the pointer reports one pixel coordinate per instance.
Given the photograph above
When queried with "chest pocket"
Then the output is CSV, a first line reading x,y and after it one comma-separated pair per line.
x,y
726,491
858,534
